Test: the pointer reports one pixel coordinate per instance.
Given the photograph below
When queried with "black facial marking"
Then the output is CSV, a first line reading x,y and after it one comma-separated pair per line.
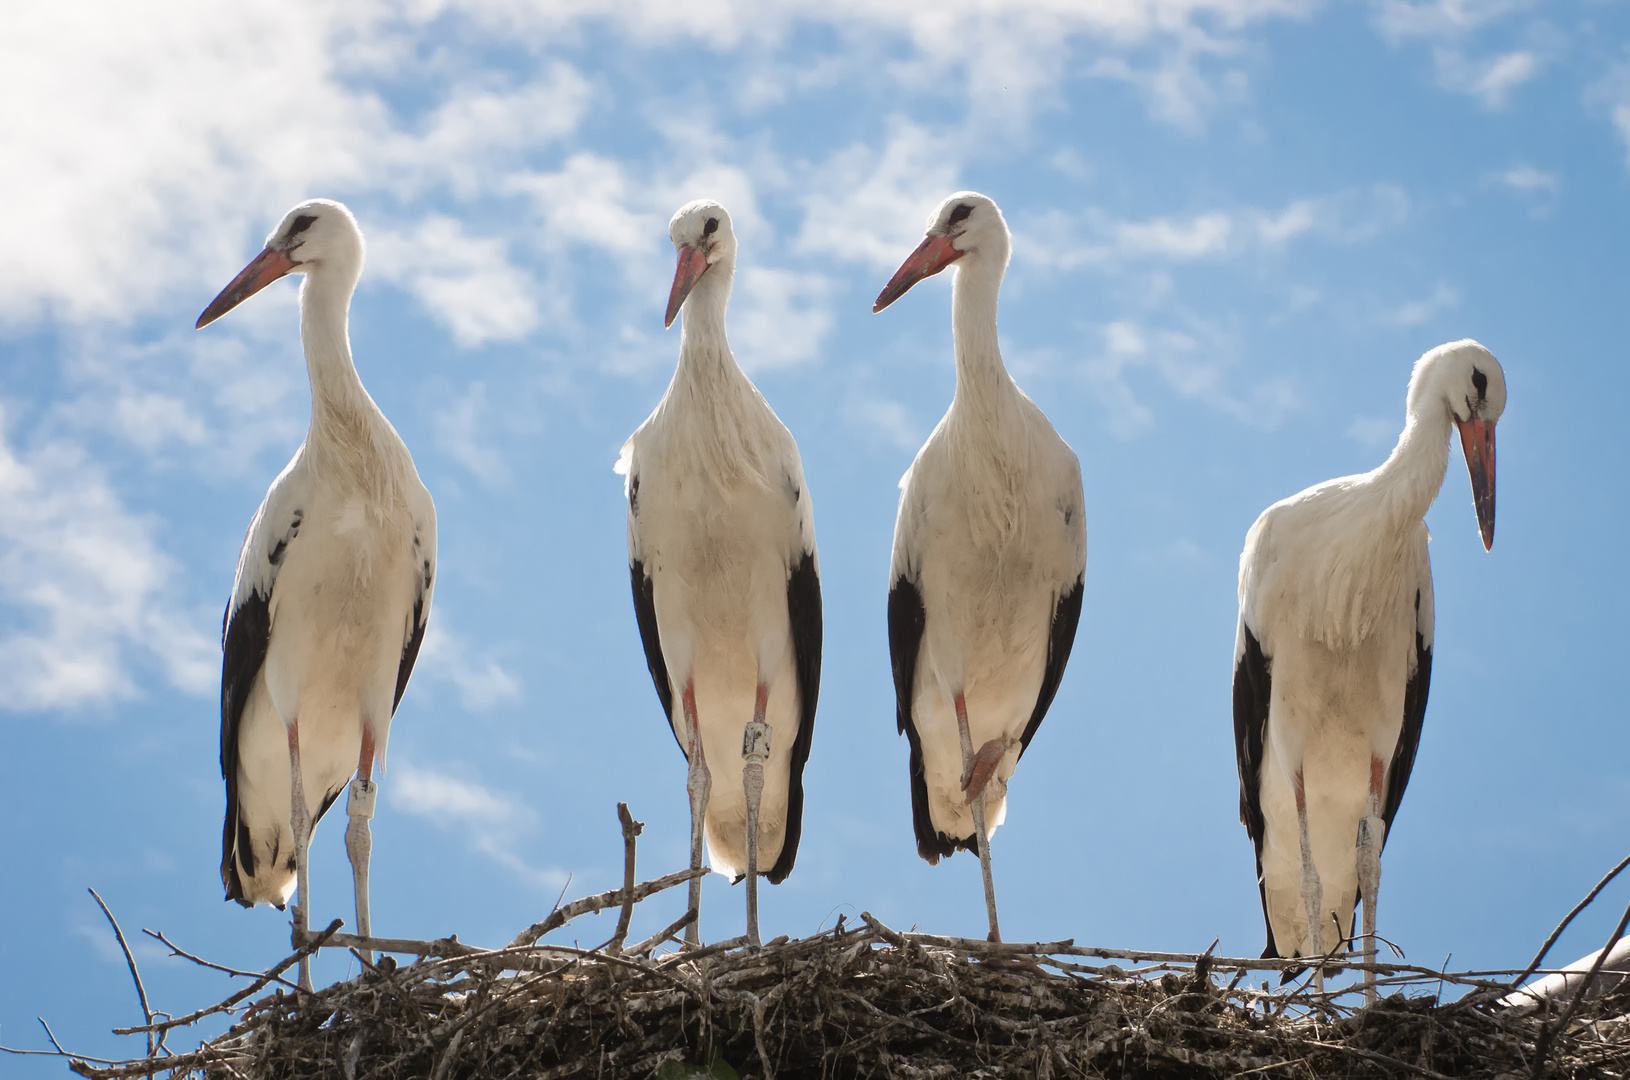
x,y
1481,381
960,213
711,227
302,223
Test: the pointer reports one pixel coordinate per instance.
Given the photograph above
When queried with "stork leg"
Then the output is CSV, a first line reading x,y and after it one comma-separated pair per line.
x,y
1312,890
755,749
700,785
1372,833
359,807
977,805
300,826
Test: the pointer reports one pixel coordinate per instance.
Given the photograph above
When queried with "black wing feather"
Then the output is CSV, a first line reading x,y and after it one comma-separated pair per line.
x,y
645,612
1253,685
245,634
1061,638
410,651
907,618
1409,739
804,614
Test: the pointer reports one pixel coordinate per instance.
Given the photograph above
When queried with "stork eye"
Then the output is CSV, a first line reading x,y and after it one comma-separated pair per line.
x,y
302,223
960,213
1481,381
711,227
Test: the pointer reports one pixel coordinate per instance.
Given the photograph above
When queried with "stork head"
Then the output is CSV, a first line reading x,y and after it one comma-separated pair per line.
x,y
967,223
703,238
317,233
1466,379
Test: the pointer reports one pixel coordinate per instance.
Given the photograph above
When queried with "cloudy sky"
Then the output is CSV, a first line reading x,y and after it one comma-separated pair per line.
x,y
1237,223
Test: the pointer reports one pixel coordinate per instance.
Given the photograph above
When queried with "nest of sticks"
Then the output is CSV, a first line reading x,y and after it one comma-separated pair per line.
x,y
867,1000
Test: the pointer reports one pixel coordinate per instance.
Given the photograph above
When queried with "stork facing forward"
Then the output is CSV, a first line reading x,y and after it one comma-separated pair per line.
x,y
721,552
1334,656
990,553
331,599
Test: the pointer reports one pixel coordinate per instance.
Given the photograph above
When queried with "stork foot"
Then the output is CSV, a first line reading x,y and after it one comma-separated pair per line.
x,y
982,768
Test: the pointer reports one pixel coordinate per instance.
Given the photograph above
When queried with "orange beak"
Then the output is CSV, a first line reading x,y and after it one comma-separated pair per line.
x,y
1477,440
692,265
265,268
932,255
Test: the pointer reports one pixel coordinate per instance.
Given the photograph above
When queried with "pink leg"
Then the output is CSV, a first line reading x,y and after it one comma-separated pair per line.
x,y
977,805
359,806
1312,890
300,826
1372,833
700,785
755,748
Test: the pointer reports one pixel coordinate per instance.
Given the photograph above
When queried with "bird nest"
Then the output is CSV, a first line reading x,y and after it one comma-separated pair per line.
x,y
866,1000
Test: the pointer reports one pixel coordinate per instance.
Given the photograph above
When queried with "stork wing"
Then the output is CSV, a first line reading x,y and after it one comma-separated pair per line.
x,y
906,621
1060,639
645,605
246,631
424,550
1253,684
1420,680
804,616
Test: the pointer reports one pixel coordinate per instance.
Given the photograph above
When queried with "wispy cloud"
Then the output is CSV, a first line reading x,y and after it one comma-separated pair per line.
x,y
1424,310
461,427
1403,19
494,822
83,585
1490,79
1194,367
1095,239
482,682
466,283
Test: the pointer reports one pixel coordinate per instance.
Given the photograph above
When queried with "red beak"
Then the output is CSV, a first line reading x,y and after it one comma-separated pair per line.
x,y
692,265
1477,440
932,255
266,268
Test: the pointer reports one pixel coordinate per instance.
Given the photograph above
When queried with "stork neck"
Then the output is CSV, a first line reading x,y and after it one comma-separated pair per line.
x,y
1413,474
337,394
705,360
981,378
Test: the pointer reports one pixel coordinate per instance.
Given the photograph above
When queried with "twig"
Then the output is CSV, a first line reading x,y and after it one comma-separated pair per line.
x,y
563,915
317,941
663,935
1544,1042
141,991
1563,925
176,950
631,830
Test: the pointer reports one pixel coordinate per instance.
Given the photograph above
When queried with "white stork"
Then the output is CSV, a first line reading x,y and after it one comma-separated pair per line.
x,y
1334,656
331,599
990,554
721,551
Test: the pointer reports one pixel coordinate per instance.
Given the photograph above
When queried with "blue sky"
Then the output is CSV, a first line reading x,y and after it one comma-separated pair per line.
x,y
1237,224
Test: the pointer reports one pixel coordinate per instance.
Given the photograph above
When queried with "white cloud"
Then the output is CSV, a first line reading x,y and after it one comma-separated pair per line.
x,y
1418,312
871,205
493,821
1402,19
884,417
481,681
1345,217
1526,178
459,430
1375,432
778,317
1194,368
467,283
1490,79
84,589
